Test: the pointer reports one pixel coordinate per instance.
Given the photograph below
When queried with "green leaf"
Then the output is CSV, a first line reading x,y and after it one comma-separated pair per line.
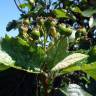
x,y
5,61
23,58
23,5
64,92
22,42
85,1
39,7
89,12
5,58
57,53
90,69
76,9
94,22
3,67
69,60
60,13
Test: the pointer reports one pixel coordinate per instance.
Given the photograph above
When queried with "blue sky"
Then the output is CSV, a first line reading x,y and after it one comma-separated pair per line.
x,y
8,11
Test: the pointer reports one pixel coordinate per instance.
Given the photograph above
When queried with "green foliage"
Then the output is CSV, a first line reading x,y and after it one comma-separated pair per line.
x,y
57,52
43,45
3,67
69,60
89,12
76,9
25,57
60,13
23,5
87,68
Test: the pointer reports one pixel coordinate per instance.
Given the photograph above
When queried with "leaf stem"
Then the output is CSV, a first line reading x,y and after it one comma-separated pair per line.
x,y
67,43
44,41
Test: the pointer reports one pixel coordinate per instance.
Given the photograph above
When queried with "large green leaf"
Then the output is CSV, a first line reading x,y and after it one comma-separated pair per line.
x,y
25,57
69,60
57,53
5,60
90,69
3,67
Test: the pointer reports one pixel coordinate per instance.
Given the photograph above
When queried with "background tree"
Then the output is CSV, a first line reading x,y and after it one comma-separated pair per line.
x,y
56,42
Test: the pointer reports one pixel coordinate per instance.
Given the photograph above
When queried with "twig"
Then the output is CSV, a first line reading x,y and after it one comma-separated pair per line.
x,y
18,7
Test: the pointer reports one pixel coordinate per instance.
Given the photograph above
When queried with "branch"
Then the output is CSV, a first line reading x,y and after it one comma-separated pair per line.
x,y
18,7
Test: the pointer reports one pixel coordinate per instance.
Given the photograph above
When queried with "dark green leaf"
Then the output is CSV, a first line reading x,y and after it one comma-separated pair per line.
x,y
94,22
69,60
57,52
24,58
90,69
3,67
12,25
89,12
5,61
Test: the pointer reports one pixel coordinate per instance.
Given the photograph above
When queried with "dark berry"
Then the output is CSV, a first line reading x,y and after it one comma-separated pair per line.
x,y
76,25
34,23
69,22
86,23
76,47
76,2
94,34
57,82
85,44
